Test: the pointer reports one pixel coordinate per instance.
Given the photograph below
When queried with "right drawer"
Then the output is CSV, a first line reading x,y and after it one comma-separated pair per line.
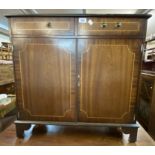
x,y
111,26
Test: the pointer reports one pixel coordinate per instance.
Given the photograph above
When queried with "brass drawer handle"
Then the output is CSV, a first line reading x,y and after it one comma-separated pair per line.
x,y
104,25
118,25
49,25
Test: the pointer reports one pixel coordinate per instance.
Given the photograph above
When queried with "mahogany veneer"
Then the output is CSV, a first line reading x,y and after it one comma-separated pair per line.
x,y
77,69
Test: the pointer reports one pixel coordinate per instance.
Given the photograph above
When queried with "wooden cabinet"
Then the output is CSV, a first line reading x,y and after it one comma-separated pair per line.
x,y
77,69
146,110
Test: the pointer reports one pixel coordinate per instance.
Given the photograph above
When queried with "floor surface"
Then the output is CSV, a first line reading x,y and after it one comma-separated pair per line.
x,y
71,136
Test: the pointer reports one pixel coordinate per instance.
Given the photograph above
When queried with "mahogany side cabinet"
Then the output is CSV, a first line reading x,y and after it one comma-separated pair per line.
x,y
77,69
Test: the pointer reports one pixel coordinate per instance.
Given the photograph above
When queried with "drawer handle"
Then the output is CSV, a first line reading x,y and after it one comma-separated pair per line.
x,y
49,25
104,25
118,25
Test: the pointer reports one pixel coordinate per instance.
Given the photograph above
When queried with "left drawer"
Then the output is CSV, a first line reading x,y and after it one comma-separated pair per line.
x,y
40,26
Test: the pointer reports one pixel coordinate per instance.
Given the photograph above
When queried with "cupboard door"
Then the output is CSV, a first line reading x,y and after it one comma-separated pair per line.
x,y
45,78
108,79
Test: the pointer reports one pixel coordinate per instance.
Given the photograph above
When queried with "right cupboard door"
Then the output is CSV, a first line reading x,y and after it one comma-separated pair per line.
x,y
108,79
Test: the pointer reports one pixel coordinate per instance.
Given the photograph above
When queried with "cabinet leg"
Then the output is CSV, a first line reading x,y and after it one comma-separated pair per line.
x,y
132,131
20,129
133,135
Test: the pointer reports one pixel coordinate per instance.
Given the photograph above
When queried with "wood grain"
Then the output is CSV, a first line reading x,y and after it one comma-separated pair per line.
x,y
130,27
7,88
147,95
109,76
152,113
42,26
68,71
46,74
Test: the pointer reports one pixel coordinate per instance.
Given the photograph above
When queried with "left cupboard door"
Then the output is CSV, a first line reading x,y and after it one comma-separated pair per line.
x,y
45,73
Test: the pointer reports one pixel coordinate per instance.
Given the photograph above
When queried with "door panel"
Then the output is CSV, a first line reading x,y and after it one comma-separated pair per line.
x,y
109,74
45,70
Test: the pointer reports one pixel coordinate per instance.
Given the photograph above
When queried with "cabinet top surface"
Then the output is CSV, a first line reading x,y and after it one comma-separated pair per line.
x,y
86,15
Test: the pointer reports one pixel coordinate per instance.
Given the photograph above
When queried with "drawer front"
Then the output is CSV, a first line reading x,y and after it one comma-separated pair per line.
x,y
42,26
8,88
146,89
111,26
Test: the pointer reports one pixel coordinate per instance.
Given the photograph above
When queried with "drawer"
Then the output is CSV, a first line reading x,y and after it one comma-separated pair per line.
x,y
111,26
42,26
146,89
7,88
